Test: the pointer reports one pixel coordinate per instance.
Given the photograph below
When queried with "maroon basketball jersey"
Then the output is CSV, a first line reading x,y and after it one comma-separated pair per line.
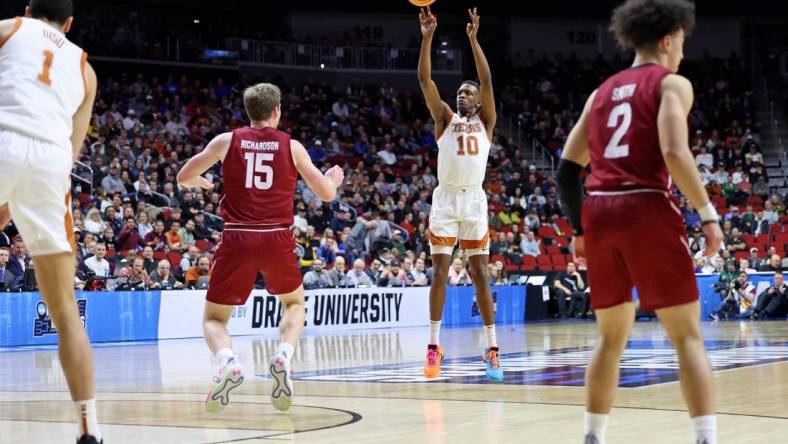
x,y
622,132
259,180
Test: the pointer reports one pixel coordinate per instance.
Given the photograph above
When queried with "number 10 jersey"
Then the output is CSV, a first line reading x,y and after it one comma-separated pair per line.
x,y
462,152
623,138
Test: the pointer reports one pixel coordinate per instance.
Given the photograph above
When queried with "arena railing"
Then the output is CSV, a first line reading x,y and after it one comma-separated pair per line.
x,y
341,57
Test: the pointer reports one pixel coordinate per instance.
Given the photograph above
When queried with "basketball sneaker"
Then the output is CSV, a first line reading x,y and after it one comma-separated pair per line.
x,y
89,439
590,439
490,358
230,376
432,369
282,394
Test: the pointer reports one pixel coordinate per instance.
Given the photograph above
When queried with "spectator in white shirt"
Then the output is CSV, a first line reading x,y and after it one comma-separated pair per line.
x,y
357,276
97,264
340,109
704,158
299,220
388,156
130,120
530,245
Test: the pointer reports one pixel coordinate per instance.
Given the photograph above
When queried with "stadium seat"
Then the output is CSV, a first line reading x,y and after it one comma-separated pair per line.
x,y
175,259
559,260
553,250
762,238
754,200
741,255
203,245
546,232
111,252
531,266
748,239
544,261
719,202
562,242
511,268
497,257
159,255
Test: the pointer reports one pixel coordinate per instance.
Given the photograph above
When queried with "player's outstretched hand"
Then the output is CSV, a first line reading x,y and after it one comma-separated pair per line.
x,y
203,183
473,27
5,216
579,244
428,22
713,235
336,175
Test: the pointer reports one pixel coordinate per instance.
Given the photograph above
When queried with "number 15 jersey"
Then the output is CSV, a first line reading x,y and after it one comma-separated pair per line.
x,y
623,139
42,82
259,180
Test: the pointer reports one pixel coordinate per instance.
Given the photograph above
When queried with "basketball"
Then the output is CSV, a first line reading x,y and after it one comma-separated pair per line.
x,y
421,3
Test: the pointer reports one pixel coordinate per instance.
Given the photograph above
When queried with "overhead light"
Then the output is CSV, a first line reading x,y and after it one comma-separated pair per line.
x,y
322,65
197,21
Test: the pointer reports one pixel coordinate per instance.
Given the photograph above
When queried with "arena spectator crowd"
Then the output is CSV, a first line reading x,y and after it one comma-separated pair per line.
x,y
136,229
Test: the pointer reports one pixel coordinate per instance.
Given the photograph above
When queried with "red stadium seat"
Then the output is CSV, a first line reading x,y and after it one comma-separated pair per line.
x,y
762,238
562,242
511,268
553,250
748,238
741,255
544,261
497,257
111,252
558,259
175,259
546,232
719,202
203,245
159,255
755,200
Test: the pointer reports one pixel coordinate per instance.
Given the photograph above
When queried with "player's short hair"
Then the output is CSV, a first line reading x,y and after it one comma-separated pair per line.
x,y
471,82
260,100
56,11
642,23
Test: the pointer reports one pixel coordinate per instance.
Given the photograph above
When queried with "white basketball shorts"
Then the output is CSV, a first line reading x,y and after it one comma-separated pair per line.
x,y
35,183
459,214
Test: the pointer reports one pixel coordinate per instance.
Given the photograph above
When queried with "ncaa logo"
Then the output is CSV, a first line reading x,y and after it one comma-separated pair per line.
x,y
43,324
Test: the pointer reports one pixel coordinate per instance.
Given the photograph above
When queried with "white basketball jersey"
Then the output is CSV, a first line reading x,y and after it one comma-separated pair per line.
x,y
42,82
462,152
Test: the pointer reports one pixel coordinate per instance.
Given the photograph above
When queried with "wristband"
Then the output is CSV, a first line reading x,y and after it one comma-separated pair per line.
x,y
708,213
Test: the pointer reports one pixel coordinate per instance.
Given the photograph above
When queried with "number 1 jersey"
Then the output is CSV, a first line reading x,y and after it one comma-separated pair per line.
x,y
259,180
42,82
623,138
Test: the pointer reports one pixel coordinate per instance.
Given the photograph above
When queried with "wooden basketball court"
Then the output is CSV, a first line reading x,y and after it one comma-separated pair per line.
x,y
365,386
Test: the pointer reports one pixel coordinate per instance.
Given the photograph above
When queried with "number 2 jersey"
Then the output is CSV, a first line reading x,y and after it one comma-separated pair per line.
x,y
42,82
462,152
623,138
259,180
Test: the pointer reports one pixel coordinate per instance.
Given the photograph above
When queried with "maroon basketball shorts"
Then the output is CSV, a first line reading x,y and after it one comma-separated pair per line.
x,y
242,254
637,239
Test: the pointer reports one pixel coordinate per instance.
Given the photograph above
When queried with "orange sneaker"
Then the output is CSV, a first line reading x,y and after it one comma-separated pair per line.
x,y
432,369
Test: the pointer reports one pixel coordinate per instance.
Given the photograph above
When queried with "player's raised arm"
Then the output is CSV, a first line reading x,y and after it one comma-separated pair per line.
x,y
677,98
439,110
487,112
324,185
81,120
190,175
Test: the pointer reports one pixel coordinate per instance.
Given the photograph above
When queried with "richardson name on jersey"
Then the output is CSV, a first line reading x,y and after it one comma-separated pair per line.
x,y
463,127
259,146
354,307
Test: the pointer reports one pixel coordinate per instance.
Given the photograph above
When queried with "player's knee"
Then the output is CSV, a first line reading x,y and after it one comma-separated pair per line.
x,y
478,276
440,277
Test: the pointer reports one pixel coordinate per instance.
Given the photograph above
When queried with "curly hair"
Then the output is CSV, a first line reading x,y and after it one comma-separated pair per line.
x,y
642,23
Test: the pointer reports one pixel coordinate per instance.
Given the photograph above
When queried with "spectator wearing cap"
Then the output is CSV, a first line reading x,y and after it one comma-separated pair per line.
x,y
341,220
318,219
753,257
163,278
398,247
299,220
316,151
392,275
157,239
201,269
112,182
130,120
129,238
357,276
317,277
735,243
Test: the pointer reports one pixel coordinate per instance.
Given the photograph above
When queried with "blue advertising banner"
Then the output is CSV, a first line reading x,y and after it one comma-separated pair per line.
x,y
107,316
461,307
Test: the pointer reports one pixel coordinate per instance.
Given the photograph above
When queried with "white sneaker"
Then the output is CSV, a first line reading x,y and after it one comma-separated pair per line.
x,y
230,376
282,393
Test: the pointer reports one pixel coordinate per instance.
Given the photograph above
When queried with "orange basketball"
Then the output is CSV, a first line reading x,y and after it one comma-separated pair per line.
x,y
421,3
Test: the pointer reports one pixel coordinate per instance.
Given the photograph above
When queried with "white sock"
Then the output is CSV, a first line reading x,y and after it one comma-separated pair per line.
x,y
596,424
224,355
489,331
705,429
88,424
435,332
285,350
